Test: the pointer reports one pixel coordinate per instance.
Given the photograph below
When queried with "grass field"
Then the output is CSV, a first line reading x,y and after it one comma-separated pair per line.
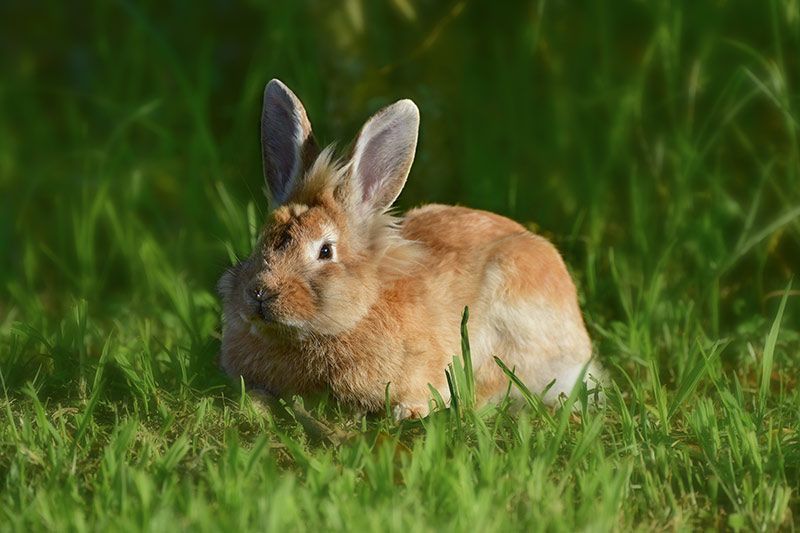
x,y
656,143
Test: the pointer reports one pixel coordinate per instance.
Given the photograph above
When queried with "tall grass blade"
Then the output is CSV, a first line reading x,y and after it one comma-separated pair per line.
x,y
769,353
692,378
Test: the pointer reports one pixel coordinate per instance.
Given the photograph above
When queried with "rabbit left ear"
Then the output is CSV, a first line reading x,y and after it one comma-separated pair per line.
x,y
383,154
287,144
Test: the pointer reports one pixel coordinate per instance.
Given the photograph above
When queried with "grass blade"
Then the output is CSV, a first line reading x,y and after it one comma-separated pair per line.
x,y
692,379
768,358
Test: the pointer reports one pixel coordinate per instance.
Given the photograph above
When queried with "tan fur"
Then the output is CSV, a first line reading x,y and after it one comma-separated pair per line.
x,y
387,308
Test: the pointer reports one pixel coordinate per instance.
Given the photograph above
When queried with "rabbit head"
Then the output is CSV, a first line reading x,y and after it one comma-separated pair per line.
x,y
328,244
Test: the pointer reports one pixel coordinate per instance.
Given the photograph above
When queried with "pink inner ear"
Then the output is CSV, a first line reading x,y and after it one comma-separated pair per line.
x,y
281,157
384,153
286,139
376,166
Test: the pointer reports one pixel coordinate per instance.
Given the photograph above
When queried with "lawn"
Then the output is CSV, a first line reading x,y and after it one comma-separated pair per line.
x,y
655,143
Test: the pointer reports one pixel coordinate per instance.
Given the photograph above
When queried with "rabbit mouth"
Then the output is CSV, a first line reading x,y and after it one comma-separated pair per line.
x,y
259,315
264,323
266,320
265,314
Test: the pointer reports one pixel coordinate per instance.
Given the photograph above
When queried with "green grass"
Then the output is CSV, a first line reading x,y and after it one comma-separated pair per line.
x,y
656,143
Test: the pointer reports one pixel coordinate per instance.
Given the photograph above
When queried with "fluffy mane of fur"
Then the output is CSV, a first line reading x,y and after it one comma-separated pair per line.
x,y
329,176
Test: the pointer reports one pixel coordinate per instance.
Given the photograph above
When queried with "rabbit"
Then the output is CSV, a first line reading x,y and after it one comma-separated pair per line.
x,y
341,295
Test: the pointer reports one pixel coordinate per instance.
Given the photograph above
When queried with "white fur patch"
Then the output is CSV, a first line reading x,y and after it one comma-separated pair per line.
x,y
329,235
539,341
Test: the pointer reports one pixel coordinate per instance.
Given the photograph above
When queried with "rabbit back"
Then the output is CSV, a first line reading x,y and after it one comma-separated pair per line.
x,y
524,306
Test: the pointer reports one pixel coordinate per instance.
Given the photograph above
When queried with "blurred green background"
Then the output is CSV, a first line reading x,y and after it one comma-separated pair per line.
x,y
656,143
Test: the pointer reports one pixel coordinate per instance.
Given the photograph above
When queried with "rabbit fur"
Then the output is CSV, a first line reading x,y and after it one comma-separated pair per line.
x,y
340,295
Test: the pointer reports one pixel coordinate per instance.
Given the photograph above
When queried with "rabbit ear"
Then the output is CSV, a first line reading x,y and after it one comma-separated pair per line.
x,y
287,145
384,152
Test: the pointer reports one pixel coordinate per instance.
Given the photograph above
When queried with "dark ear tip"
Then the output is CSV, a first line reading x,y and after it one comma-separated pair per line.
x,y
276,89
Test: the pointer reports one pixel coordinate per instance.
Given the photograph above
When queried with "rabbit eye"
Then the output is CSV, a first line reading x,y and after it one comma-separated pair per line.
x,y
326,251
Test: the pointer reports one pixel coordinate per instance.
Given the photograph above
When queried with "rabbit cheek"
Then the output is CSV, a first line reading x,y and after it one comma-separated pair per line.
x,y
342,299
296,302
327,293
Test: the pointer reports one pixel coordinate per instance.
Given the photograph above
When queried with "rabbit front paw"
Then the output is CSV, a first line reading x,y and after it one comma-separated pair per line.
x,y
401,411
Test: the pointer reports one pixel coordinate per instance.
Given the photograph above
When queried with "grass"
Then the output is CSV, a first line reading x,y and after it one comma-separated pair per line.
x,y
655,143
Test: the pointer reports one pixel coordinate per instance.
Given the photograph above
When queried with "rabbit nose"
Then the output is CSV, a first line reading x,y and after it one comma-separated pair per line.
x,y
262,294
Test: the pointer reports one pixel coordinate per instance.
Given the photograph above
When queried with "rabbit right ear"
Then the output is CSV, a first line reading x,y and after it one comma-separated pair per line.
x,y
383,154
287,145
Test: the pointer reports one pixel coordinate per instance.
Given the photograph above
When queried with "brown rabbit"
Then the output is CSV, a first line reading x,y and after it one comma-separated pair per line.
x,y
340,295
